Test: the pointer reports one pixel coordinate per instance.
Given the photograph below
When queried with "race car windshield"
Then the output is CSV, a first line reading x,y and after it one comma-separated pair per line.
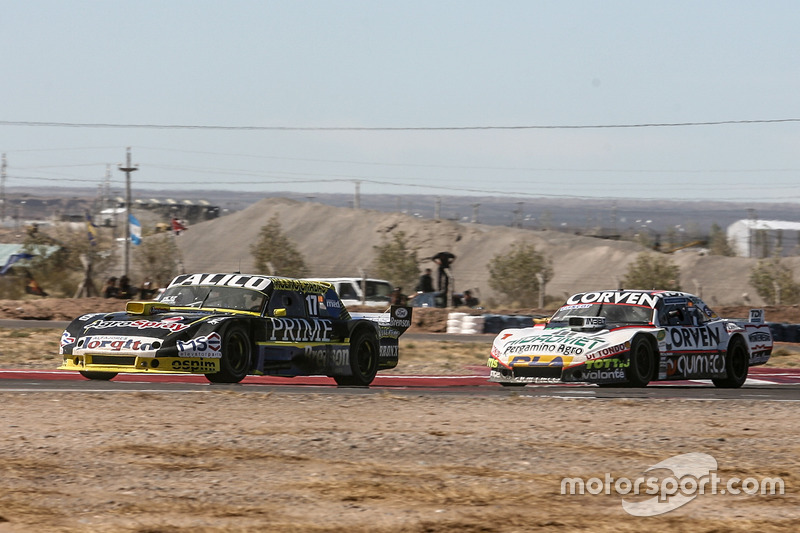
x,y
613,313
235,298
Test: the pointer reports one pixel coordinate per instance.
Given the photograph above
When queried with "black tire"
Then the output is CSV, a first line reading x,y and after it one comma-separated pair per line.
x,y
506,384
737,365
237,350
364,352
643,362
98,376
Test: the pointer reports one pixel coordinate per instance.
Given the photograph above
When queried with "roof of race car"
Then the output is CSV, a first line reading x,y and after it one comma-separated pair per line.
x,y
255,282
630,297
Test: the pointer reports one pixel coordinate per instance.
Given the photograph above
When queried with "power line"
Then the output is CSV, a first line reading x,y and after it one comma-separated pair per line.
x,y
389,128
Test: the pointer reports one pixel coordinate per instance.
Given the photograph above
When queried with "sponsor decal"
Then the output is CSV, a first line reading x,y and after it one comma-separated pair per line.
x,y
259,283
756,316
112,343
207,346
611,350
694,337
66,339
561,341
138,324
301,330
336,304
578,306
695,365
299,285
612,362
759,336
494,375
84,318
325,357
614,297
540,360
603,375
399,323
194,365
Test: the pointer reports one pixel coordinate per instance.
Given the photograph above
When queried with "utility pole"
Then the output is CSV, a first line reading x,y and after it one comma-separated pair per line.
x,y
475,213
127,169
3,190
357,196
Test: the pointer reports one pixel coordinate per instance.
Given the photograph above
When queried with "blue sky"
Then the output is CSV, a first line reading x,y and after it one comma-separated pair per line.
x,y
404,72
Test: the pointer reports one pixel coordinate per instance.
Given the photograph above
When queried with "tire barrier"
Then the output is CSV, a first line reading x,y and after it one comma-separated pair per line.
x,y
465,323
782,332
497,323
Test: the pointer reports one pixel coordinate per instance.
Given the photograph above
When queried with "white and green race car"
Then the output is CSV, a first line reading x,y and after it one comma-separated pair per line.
x,y
630,337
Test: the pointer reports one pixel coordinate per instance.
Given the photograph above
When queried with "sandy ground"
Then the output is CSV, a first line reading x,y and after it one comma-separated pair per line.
x,y
228,461
224,460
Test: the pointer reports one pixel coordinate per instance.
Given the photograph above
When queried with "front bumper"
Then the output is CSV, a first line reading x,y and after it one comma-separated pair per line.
x,y
140,364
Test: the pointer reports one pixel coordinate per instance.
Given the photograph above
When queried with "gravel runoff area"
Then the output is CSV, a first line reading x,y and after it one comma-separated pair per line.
x,y
225,460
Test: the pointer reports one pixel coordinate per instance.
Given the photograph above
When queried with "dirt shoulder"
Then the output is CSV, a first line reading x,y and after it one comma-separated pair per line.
x,y
318,462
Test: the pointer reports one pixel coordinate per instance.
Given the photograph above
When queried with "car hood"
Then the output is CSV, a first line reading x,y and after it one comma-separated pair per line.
x,y
564,346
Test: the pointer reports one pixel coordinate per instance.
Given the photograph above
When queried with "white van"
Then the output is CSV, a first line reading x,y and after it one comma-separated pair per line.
x,y
361,291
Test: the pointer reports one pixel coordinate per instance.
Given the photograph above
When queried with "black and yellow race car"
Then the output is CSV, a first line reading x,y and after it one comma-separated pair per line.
x,y
229,325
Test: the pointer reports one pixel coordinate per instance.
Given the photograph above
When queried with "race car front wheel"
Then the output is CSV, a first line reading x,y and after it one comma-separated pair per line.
x,y
643,362
236,354
364,350
737,364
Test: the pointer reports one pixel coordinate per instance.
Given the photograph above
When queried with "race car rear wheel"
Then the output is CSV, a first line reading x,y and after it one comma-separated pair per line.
x,y
364,350
236,355
737,365
99,376
643,362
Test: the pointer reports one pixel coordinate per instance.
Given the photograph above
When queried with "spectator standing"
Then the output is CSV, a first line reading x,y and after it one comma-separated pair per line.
x,y
425,283
444,260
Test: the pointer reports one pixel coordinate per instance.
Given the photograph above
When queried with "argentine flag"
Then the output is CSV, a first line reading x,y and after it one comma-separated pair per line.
x,y
136,230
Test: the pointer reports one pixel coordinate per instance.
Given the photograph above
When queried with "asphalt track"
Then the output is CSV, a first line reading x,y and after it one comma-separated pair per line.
x,y
763,383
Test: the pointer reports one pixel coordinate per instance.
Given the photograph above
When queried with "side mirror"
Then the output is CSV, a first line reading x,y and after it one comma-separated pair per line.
x,y
279,312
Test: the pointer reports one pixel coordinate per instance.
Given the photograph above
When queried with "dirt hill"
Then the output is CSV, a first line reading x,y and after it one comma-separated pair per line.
x,y
339,241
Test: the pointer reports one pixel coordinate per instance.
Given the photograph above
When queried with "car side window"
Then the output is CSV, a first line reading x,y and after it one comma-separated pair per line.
x,y
289,300
676,315
347,291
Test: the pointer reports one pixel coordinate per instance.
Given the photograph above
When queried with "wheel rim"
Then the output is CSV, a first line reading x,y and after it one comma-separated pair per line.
x,y
643,362
365,359
237,352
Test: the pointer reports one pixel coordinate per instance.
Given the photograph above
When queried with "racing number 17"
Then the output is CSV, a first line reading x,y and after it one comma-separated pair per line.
x,y
312,305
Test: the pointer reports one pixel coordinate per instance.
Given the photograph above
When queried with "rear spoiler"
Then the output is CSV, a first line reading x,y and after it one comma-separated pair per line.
x,y
397,317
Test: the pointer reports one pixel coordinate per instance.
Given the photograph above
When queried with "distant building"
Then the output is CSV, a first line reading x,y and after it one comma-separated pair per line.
x,y
763,238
